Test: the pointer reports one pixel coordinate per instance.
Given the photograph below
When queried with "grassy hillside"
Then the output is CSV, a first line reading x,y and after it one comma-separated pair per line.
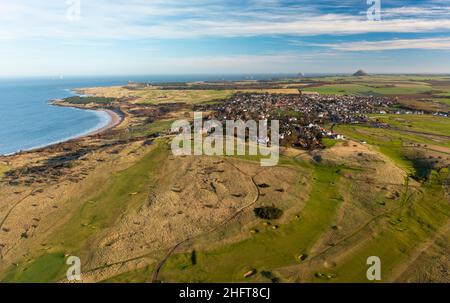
x,y
271,248
126,190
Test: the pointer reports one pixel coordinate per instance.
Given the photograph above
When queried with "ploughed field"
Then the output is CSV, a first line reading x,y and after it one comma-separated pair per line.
x,y
133,212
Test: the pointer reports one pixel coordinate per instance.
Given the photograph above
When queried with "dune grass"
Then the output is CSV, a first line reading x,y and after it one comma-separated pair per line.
x,y
156,96
268,249
3,169
127,189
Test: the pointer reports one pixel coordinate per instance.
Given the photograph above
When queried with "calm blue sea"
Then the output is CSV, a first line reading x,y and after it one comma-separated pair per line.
x,y
27,121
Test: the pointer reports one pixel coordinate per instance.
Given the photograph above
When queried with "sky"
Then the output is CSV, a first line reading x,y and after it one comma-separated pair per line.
x,y
156,37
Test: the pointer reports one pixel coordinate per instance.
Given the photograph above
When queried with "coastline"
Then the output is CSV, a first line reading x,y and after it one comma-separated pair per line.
x,y
115,119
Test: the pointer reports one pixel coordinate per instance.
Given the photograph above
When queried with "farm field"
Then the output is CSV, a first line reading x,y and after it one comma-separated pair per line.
x,y
426,93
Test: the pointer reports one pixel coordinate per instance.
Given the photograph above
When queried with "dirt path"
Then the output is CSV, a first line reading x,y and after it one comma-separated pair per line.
x,y
8,213
172,250
366,224
422,133
239,211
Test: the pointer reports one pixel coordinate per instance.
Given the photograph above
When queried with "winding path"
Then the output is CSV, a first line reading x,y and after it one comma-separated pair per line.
x,y
239,211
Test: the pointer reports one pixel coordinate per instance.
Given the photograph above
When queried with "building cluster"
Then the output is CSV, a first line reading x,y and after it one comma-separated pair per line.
x,y
302,117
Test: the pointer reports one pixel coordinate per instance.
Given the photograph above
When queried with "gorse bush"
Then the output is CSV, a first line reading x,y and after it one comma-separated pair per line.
x,y
268,212
88,100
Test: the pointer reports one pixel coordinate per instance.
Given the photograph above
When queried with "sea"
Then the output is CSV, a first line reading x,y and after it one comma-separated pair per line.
x,y
28,121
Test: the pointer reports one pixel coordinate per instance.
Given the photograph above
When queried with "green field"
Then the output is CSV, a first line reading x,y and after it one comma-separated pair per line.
x,y
419,218
156,96
418,87
408,129
371,89
49,267
151,128
442,100
418,123
329,143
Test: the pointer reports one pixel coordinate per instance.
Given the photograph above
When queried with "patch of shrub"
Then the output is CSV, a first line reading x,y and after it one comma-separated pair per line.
x,y
268,212
263,185
88,100
270,276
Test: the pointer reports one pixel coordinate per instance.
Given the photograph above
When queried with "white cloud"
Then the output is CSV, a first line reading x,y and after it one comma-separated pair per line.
x,y
431,44
433,11
141,19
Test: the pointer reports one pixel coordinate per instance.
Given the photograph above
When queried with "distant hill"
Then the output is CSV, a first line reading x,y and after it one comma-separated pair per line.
x,y
360,73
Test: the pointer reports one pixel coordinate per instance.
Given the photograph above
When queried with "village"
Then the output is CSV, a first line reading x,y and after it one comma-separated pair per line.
x,y
304,118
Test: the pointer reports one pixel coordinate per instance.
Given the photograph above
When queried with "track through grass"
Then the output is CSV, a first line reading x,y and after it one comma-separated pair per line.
x,y
269,249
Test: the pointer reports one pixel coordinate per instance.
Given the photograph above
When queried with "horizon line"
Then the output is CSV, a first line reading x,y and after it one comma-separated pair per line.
x,y
223,74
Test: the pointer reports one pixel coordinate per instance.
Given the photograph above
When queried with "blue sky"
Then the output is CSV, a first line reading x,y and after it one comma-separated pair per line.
x,y
114,37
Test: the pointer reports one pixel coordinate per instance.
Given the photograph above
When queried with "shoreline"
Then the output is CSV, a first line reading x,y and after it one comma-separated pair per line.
x,y
115,119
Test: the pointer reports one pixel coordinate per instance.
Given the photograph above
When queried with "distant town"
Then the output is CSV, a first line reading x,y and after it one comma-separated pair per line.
x,y
303,117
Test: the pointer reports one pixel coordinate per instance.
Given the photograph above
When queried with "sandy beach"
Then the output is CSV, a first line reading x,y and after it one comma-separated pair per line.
x,y
115,119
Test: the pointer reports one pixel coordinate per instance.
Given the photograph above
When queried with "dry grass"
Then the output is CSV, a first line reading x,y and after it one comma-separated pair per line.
x,y
194,196
294,91
158,96
3,169
40,209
